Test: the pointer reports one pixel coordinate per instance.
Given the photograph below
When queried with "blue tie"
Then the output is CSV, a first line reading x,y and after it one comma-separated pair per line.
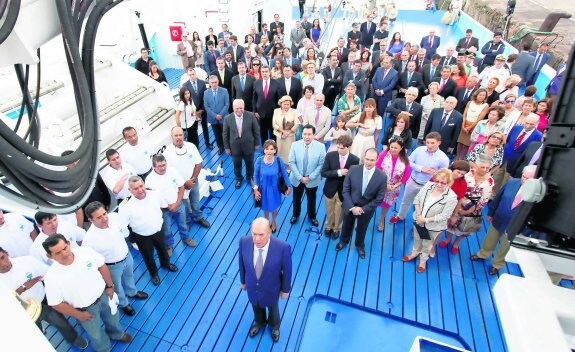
x,y
215,95
242,82
432,72
305,160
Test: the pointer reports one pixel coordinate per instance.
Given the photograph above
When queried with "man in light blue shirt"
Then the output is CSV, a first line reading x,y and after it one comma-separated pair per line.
x,y
424,162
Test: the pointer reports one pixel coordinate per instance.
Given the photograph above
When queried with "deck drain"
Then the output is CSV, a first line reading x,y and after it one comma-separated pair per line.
x,y
330,317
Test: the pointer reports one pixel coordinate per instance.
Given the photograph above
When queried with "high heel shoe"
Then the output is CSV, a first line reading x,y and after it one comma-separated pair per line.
x,y
274,228
380,226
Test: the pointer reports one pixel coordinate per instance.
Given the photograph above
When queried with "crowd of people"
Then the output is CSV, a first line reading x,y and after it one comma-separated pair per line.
x,y
375,114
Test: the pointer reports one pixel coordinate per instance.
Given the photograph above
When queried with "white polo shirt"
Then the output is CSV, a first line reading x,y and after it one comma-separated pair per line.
x,y
138,156
109,242
167,184
79,284
111,176
15,235
23,269
144,215
72,233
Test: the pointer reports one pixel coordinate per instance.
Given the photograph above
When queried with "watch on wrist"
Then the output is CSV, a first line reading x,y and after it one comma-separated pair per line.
x,y
109,286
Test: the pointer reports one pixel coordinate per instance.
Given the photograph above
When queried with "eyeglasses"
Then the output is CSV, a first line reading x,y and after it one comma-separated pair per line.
x,y
255,64
179,150
510,101
497,137
441,183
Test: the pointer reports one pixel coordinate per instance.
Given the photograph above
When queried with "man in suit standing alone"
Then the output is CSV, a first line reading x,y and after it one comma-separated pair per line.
x,y
448,123
265,287
243,86
266,96
430,43
306,158
335,168
367,30
216,102
241,140
297,36
363,191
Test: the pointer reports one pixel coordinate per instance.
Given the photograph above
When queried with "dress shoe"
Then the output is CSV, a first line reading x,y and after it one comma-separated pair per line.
x,y
274,228
209,146
238,184
190,242
454,250
327,233
340,245
254,330
140,295
80,343
314,222
335,234
475,257
170,251
220,151
394,219
204,223
275,335
129,310
293,219
443,244
361,252
126,338
171,268
156,280
493,271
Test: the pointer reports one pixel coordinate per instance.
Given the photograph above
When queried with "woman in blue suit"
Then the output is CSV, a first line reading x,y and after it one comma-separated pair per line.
x,y
267,172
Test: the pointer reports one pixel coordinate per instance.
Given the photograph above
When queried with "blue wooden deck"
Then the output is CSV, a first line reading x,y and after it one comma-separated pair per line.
x,y
201,307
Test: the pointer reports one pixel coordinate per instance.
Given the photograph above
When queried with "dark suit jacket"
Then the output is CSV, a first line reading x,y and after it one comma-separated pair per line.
x,y
524,159
523,66
332,83
449,132
276,274
448,90
239,53
234,67
398,65
461,44
295,89
344,53
367,36
273,26
536,70
451,60
358,81
197,97
334,182
210,61
461,103
248,93
227,82
500,209
511,155
416,81
427,74
430,50
420,63
374,193
398,105
265,107
250,134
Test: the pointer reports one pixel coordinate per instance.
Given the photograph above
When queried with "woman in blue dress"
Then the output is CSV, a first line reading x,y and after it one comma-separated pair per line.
x,y
266,179
396,45
315,32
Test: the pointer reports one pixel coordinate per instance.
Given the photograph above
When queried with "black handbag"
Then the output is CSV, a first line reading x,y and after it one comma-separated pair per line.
x,y
422,231
282,185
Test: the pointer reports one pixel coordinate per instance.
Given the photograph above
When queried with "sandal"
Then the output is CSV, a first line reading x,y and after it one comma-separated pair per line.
x,y
380,225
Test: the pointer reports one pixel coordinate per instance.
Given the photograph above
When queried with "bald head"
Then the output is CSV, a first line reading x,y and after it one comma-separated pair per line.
x,y
178,136
531,122
261,232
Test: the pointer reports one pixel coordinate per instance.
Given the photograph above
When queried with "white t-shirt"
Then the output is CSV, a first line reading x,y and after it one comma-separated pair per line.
x,y
109,242
72,233
23,269
167,184
79,284
183,159
111,176
15,235
144,215
138,156
188,114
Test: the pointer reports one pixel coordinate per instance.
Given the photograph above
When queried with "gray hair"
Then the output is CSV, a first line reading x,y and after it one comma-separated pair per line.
x,y
134,179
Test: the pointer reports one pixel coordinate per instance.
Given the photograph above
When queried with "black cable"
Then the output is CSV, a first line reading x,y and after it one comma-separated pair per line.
x,y
10,21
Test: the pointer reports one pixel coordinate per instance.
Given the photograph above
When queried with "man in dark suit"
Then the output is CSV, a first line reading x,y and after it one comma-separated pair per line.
x,y
354,34
376,54
524,65
430,43
243,86
401,65
382,86
431,70
229,63
421,60
363,191
541,57
357,76
264,103
306,25
290,85
276,23
289,59
241,140
266,33
333,79
468,42
210,57
518,139
410,106
449,58
224,77
530,156
342,51
335,168
447,86
216,100
236,50
265,275
447,122
197,88
254,34
367,30
225,31
463,94
409,78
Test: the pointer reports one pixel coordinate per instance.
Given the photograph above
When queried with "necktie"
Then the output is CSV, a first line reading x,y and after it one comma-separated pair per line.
x,y
316,117
368,26
222,74
466,95
519,140
305,160
339,55
407,107
467,43
442,85
195,85
384,73
365,181
235,56
242,82
430,42
444,119
517,200
239,127
535,159
537,62
265,89
409,78
214,55
215,95
403,66
432,71
259,264
342,162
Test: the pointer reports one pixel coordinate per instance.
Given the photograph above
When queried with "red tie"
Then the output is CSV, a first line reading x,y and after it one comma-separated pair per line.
x,y
519,140
214,55
517,200
430,41
384,73
316,117
342,162
442,85
339,55
265,89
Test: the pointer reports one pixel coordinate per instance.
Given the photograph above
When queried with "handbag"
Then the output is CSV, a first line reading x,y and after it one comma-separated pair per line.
x,y
422,231
282,186
469,224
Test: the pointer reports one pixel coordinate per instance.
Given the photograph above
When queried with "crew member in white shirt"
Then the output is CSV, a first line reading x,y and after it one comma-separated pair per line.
x,y
106,236
79,285
50,225
143,213
24,275
116,175
186,158
170,184
137,152
16,234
